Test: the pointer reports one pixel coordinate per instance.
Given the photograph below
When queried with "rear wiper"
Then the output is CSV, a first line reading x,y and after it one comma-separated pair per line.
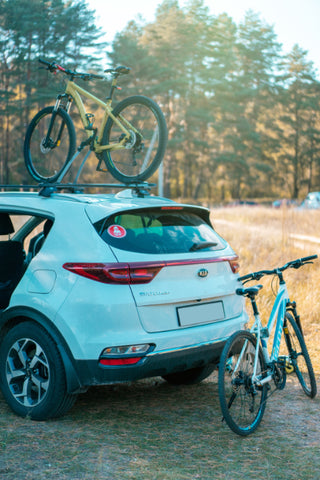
x,y
202,245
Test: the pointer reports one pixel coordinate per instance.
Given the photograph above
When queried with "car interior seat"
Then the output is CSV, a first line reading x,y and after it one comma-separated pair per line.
x,y
37,241
11,261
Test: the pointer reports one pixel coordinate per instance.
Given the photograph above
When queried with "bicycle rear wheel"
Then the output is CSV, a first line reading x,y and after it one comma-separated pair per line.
x,y
143,153
298,355
46,154
242,403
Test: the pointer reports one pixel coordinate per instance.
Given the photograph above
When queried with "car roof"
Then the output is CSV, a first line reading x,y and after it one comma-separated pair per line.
x,y
97,206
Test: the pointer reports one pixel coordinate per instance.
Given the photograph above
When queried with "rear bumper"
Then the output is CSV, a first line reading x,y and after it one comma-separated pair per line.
x,y
154,364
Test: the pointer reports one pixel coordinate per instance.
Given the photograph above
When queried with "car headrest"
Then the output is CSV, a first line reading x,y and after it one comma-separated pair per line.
x,y
6,226
47,226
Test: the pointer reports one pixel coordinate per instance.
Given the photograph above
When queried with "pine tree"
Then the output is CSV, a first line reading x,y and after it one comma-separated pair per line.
x,y
54,29
300,120
247,92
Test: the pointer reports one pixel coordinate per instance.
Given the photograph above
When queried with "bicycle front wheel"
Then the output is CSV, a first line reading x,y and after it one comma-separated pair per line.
x,y
298,356
49,144
142,154
242,402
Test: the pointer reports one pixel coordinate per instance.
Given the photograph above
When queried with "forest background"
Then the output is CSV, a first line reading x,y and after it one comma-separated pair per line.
x,y
243,118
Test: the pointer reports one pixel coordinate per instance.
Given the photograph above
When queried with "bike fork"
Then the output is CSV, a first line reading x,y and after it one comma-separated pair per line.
x,y
292,307
48,143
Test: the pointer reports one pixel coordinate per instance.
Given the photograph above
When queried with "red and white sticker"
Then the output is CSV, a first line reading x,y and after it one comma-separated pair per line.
x,y
117,231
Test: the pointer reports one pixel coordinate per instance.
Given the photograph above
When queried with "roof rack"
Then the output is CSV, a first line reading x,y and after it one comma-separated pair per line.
x,y
47,189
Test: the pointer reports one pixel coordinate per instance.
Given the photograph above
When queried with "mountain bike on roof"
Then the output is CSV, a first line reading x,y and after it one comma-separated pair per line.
x,y
130,142
247,369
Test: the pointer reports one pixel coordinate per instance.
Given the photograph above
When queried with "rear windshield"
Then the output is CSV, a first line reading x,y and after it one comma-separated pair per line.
x,y
159,231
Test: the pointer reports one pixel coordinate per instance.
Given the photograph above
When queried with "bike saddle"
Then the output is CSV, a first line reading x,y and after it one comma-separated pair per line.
x,y
250,292
121,70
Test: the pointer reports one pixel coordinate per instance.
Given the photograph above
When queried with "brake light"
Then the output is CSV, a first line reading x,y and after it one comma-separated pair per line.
x,y
234,264
138,272
174,207
123,273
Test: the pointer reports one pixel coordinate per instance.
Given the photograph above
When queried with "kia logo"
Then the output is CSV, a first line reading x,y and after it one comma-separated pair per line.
x,y
203,272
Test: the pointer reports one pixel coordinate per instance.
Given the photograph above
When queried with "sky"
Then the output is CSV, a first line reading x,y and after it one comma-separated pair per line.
x,y
294,21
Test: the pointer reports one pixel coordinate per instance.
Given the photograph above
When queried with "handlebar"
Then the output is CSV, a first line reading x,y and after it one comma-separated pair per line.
x,y
276,271
53,67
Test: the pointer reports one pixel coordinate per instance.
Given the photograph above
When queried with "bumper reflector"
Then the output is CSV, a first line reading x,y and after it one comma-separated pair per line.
x,y
119,361
124,355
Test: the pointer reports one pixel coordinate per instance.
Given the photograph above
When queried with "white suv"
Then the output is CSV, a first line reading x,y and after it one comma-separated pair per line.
x,y
99,289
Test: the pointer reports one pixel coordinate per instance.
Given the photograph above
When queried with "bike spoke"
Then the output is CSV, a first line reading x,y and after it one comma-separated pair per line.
x,y
242,402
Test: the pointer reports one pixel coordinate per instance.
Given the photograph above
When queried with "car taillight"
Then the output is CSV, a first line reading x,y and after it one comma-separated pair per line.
x,y
234,264
138,272
116,272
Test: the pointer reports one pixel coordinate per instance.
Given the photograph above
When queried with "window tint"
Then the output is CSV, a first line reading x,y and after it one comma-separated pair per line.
x,y
159,231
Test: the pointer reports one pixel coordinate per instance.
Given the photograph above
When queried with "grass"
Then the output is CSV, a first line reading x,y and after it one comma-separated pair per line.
x,y
149,430
266,238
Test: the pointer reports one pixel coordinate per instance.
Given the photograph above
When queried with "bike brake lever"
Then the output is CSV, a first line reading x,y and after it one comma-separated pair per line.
x,y
52,68
298,265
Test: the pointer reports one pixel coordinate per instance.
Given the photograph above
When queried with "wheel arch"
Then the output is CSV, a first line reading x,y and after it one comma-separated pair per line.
x,y
16,315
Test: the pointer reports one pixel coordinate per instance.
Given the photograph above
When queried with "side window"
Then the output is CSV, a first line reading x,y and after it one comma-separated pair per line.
x,y
29,231
16,234
35,239
12,256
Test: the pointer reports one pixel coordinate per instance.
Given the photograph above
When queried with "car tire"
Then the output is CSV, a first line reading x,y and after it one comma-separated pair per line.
x,y
190,377
32,375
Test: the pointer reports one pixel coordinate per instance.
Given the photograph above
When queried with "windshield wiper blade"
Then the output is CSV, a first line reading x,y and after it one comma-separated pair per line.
x,y
202,245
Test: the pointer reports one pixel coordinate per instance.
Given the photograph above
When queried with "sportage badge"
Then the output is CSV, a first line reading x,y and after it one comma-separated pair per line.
x,y
203,272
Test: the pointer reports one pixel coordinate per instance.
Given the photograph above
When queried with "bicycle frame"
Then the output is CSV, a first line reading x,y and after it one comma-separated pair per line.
x,y
74,92
276,319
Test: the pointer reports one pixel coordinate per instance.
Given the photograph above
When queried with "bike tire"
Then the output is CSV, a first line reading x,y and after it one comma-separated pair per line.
x,y
140,158
299,356
45,163
242,404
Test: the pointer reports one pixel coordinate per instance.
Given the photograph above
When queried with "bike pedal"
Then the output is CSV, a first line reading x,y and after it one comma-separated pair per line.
x,y
286,363
289,368
99,168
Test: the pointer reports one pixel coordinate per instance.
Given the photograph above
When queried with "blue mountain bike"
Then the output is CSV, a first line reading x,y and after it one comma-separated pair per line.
x,y
247,369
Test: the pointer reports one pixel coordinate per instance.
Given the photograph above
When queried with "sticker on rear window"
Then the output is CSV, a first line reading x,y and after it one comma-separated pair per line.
x,y
116,231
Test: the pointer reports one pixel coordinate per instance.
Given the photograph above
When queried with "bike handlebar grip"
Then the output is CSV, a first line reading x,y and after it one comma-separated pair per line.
x,y
299,262
44,61
50,66
306,259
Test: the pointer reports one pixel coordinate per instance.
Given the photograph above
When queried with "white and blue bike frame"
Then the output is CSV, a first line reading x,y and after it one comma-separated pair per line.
x,y
277,317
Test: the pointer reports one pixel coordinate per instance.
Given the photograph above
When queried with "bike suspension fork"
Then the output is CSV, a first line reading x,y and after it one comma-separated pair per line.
x,y
66,107
292,307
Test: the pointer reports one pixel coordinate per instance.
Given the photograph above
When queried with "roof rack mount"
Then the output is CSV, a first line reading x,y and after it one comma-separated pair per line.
x,y
46,189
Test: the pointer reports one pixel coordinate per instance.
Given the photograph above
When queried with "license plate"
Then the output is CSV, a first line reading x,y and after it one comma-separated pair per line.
x,y
200,314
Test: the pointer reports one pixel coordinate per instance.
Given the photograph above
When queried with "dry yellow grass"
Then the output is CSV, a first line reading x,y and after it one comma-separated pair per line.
x,y
152,430
266,238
